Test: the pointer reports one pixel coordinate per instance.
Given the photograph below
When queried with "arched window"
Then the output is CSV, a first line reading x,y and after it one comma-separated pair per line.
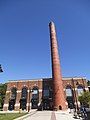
x,y
13,93
35,93
12,99
35,97
23,100
46,91
69,97
80,90
47,97
24,93
69,91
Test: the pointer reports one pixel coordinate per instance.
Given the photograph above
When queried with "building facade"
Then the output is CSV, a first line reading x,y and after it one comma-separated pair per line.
x,y
31,94
54,93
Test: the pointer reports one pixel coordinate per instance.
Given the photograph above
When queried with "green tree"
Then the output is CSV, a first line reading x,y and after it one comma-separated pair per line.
x,y
84,98
2,94
88,82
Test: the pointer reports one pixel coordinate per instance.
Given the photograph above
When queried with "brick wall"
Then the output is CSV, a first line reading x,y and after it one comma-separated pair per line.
x,y
19,84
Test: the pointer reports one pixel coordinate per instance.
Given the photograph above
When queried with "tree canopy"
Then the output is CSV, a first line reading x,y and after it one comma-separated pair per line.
x,y
2,94
84,98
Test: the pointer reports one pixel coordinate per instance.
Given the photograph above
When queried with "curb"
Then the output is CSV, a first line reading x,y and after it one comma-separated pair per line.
x,y
25,116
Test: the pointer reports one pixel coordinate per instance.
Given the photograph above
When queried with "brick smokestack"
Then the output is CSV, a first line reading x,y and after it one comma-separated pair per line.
x,y
58,90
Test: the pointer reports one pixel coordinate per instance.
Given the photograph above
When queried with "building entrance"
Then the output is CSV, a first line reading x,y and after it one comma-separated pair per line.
x,y
34,104
70,102
11,104
47,104
23,104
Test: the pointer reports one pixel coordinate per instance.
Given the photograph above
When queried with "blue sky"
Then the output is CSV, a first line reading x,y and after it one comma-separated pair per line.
x,y
25,43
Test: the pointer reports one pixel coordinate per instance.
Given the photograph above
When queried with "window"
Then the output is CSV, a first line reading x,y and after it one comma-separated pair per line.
x,y
68,91
24,93
46,93
35,93
80,90
14,93
35,97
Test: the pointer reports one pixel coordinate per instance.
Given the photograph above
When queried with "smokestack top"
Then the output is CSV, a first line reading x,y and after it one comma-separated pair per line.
x,y
51,23
52,27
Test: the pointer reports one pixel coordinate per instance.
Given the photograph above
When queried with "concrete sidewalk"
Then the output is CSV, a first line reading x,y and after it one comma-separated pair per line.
x,y
32,112
48,115
64,115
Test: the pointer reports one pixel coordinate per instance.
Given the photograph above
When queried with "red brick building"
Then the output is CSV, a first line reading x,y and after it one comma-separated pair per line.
x,y
29,94
55,93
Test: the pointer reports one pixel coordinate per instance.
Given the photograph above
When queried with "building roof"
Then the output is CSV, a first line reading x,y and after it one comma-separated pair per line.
x,y
41,79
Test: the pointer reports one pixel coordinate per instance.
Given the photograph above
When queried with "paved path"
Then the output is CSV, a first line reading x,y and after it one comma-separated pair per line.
x,y
50,115
40,115
64,116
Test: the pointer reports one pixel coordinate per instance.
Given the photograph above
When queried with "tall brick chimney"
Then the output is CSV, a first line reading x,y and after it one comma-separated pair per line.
x,y
58,91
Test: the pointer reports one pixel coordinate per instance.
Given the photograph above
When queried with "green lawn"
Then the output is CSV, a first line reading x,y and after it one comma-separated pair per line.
x,y
10,116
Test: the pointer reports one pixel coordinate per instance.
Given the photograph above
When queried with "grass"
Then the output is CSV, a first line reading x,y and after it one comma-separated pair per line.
x,y
10,116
